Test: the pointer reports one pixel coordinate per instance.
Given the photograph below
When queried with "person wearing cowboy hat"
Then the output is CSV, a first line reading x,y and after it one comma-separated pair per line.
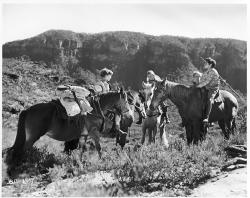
x,y
211,81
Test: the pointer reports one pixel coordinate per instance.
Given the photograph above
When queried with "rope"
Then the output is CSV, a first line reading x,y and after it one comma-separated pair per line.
x,y
224,81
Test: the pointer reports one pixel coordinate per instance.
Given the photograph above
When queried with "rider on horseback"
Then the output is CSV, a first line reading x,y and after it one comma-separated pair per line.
x,y
152,78
102,86
211,81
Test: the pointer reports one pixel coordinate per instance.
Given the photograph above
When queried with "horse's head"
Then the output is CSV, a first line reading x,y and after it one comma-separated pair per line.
x,y
121,105
160,94
148,91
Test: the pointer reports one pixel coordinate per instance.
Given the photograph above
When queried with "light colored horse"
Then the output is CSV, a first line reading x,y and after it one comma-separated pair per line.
x,y
152,122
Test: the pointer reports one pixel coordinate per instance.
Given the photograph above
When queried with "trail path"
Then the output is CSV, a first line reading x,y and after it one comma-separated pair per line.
x,y
231,184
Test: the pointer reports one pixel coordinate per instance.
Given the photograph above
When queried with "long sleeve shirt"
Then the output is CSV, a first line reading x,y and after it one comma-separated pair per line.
x,y
210,79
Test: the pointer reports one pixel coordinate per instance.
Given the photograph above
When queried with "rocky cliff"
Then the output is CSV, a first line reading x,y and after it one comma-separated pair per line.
x,y
131,54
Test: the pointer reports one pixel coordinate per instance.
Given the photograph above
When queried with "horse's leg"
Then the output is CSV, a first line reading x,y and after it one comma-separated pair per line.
x,y
188,133
234,126
154,133
196,131
150,130
229,125
71,145
94,134
161,129
143,133
223,128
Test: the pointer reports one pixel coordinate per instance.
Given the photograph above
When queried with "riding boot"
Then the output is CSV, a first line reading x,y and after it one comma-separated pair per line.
x,y
208,110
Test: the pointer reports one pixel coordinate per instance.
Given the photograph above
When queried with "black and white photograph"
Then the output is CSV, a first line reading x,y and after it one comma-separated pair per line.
x,y
124,98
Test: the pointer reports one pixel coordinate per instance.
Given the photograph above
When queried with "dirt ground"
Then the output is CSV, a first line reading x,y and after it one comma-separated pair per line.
x,y
231,184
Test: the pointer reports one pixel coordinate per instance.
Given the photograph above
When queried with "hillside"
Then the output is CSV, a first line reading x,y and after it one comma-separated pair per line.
x,y
137,170
25,83
131,54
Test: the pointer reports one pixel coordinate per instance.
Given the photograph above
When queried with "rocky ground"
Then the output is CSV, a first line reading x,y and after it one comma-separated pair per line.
x,y
231,184
26,83
226,184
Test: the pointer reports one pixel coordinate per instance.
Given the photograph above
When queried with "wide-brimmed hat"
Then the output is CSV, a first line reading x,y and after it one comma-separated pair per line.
x,y
210,61
105,71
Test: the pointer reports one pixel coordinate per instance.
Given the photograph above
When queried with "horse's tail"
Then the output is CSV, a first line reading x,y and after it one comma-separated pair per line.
x,y
21,135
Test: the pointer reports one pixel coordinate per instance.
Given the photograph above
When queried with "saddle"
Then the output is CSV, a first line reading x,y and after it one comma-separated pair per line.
x,y
68,102
217,100
217,97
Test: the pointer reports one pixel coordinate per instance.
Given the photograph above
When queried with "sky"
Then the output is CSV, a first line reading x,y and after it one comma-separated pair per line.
x,y
21,21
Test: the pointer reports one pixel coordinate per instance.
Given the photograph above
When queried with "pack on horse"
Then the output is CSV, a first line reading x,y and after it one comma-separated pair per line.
x,y
154,120
191,101
51,119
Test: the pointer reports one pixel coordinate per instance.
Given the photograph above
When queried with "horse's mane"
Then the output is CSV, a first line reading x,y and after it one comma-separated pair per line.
x,y
177,90
110,94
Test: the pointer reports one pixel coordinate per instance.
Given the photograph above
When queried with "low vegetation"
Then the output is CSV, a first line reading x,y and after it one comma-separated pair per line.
x,y
135,170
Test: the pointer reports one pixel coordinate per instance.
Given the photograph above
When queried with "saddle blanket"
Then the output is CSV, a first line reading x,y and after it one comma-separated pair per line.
x,y
67,99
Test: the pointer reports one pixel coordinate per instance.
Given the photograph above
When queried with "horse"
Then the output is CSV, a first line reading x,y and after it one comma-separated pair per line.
x,y
51,119
152,123
191,101
136,101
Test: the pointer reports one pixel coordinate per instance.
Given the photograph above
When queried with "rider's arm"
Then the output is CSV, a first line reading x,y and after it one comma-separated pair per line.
x,y
98,88
205,79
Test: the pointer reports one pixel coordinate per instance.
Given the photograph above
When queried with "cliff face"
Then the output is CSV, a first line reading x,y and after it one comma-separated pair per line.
x,y
131,54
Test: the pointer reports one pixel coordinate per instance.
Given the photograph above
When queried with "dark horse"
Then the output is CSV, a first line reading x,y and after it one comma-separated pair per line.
x,y
135,100
191,101
51,119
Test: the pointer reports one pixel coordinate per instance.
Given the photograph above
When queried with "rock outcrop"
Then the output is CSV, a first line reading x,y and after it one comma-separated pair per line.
x,y
131,54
